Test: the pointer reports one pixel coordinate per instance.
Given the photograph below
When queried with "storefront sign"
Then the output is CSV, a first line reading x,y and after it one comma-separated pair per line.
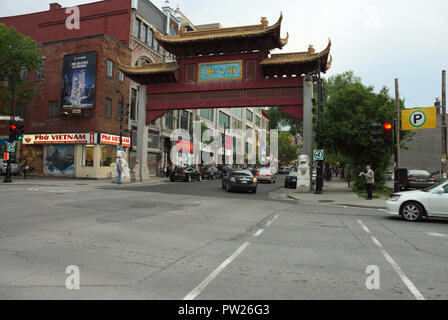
x,y
78,81
226,70
59,138
114,140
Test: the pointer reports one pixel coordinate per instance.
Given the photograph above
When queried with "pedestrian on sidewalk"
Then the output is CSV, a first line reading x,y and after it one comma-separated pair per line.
x,y
119,170
370,180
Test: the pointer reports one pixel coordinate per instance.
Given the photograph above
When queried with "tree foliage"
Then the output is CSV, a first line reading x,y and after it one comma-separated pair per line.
x,y
350,110
16,52
278,120
287,151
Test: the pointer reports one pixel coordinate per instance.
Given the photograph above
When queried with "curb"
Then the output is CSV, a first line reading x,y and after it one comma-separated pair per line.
x,y
293,196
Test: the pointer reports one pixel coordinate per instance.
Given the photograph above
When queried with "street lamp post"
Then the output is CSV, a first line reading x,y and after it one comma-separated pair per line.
x,y
319,169
8,175
121,117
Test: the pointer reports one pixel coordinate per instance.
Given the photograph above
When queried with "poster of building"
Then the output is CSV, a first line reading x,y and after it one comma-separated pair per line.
x,y
78,81
60,159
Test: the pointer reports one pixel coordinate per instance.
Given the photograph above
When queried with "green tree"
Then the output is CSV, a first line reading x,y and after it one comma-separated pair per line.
x,y
16,52
287,151
350,110
279,119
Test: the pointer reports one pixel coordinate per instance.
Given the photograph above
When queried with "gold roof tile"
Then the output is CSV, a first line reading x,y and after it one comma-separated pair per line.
x,y
152,68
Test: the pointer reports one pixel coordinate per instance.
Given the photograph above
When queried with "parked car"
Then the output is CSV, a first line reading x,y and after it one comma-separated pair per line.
x,y
419,179
185,174
416,204
15,169
291,180
238,180
210,173
266,175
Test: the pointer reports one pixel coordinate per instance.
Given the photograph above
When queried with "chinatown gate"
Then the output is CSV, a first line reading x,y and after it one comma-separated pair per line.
x,y
230,67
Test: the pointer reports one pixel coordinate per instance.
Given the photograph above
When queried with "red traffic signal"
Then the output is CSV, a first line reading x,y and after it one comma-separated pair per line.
x,y
388,126
12,127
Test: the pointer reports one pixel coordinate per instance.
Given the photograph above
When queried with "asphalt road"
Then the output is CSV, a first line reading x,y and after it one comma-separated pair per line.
x,y
196,241
210,188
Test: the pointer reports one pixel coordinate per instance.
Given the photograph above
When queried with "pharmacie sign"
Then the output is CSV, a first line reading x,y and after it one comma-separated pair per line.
x,y
113,140
59,138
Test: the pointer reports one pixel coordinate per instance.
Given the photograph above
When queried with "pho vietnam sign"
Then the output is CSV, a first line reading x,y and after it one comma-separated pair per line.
x,y
226,70
113,140
59,138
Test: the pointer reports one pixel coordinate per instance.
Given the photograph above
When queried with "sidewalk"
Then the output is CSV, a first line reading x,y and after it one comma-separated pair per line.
x,y
336,193
73,182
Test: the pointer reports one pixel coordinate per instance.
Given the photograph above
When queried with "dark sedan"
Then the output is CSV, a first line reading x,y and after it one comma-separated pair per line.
x,y
210,173
239,180
185,174
291,180
420,179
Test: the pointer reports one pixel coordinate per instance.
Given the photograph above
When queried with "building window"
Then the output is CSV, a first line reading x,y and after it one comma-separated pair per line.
x,y
110,68
249,115
134,104
224,120
151,38
88,156
183,119
108,155
153,141
169,120
120,75
238,112
145,33
108,112
21,110
173,30
53,108
41,71
257,120
137,25
156,45
207,114
236,124
24,74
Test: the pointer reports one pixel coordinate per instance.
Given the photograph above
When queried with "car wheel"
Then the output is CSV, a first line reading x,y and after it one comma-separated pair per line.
x,y
254,190
228,187
412,211
172,179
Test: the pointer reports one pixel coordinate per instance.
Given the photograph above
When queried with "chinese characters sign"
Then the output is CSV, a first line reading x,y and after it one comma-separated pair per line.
x,y
228,70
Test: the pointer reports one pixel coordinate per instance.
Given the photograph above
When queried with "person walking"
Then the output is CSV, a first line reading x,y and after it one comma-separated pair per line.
x,y
370,180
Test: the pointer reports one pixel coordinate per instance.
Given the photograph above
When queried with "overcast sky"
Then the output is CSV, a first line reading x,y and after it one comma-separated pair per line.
x,y
379,40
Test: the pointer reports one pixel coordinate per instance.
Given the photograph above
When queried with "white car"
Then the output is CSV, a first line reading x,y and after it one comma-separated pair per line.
x,y
414,205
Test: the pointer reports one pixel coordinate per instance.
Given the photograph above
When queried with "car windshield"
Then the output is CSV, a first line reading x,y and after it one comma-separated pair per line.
x,y
431,188
243,173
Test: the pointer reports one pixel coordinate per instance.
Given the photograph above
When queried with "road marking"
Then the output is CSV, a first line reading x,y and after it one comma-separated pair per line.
x,y
364,226
268,223
396,267
436,234
258,232
196,291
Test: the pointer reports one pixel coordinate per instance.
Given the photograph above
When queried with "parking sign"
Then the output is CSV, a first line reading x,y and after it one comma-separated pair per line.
x,y
420,118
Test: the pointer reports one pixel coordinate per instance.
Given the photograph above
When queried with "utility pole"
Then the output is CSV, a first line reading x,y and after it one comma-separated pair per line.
x,y
396,136
444,148
319,163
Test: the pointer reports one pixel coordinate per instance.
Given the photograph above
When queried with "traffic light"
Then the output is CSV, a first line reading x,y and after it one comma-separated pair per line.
x,y
12,133
388,136
377,134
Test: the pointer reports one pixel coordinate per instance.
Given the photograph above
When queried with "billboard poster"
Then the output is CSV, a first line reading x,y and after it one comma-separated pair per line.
x,y
78,81
60,159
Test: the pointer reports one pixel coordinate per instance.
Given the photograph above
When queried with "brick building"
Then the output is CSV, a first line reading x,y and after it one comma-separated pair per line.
x,y
76,138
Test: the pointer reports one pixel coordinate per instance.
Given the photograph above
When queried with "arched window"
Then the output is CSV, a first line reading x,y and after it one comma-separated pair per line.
x,y
141,60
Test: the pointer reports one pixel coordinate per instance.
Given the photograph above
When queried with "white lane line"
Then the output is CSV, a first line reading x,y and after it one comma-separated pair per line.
x,y
268,223
258,232
196,291
436,234
364,226
396,267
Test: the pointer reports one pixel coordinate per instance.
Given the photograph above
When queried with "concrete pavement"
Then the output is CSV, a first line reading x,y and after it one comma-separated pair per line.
x,y
335,193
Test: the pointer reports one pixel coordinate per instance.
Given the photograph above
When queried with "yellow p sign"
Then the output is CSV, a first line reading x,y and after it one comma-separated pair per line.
x,y
420,118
